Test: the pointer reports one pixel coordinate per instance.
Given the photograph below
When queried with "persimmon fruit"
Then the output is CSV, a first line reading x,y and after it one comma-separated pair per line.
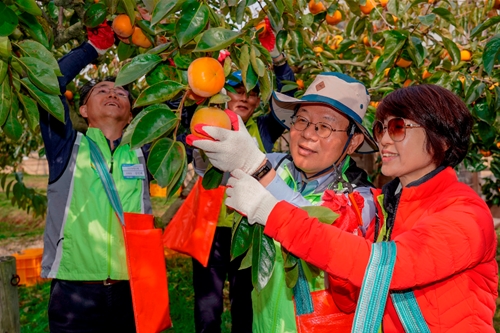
x,y
122,26
206,76
316,7
368,7
209,116
140,39
334,19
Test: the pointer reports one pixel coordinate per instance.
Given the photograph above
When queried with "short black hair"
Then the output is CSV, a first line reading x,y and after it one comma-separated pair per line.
x,y
85,89
444,116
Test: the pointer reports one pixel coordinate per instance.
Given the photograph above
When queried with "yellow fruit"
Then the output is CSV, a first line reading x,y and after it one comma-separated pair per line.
x,y
300,84
140,39
386,71
69,95
384,2
493,86
426,74
374,104
465,55
395,18
407,83
262,25
403,63
366,41
316,7
335,18
375,59
368,7
122,26
209,116
318,49
206,76
337,39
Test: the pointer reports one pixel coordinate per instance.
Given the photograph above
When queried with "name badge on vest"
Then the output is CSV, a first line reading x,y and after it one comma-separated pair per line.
x,y
133,171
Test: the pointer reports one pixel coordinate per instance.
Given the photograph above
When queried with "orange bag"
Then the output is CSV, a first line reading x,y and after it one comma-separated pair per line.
x,y
326,316
147,272
192,228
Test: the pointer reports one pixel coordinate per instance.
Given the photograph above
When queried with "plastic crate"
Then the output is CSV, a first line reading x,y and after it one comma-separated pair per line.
x,y
29,266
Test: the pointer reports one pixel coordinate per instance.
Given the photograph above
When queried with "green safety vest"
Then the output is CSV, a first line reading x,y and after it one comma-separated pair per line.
x,y
273,307
92,245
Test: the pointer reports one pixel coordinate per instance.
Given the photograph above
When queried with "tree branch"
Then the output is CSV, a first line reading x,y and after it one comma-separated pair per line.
x,y
77,30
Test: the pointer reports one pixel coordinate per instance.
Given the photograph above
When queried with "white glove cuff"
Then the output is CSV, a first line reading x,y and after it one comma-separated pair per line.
x,y
100,51
254,162
275,53
266,206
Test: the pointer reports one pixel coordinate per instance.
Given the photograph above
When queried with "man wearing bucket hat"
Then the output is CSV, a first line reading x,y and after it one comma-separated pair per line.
x,y
208,282
325,128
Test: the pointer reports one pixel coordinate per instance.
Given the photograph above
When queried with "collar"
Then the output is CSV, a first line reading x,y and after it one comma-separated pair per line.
x,y
96,134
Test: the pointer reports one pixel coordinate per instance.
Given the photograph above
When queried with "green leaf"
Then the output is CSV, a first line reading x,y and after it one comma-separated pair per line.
x,y
5,101
129,6
491,54
151,124
12,127
266,87
263,258
242,237
193,20
5,49
452,49
257,64
215,39
251,78
323,214
3,70
158,93
474,92
34,29
111,4
244,62
95,15
281,38
486,133
485,25
30,111
165,160
416,50
484,112
36,50
445,14
427,19
9,20
29,6
394,41
181,175
129,131
297,43
292,276
162,9
125,51
139,66
219,99
212,178
247,259
51,103
41,75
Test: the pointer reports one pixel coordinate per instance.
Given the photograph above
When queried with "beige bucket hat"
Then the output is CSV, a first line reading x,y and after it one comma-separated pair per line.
x,y
339,91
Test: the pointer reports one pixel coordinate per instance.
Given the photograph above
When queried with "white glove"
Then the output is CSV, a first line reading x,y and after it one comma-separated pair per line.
x,y
233,150
246,195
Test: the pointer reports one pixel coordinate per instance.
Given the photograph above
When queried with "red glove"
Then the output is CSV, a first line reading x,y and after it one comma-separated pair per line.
x,y
101,37
267,38
199,128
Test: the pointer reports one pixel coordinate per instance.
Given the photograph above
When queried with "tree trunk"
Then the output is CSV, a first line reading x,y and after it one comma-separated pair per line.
x,y
9,301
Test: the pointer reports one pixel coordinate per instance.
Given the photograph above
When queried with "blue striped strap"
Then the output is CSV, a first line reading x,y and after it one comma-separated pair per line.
x,y
375,288
107,180
409,312
302,294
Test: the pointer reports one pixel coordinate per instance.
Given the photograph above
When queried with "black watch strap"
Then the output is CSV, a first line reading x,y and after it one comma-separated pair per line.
x,y
262,171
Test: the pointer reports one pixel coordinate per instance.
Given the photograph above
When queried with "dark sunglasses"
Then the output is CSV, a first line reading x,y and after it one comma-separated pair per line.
x,y
396,127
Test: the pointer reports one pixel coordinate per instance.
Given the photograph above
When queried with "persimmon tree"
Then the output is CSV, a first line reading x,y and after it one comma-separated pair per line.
x,y
386,44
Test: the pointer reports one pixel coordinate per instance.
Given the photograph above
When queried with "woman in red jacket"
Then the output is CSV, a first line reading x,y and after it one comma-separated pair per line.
x,y
428,263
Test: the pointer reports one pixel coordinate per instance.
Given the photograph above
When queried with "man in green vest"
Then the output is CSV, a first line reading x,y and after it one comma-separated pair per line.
x,y
325,128
84,249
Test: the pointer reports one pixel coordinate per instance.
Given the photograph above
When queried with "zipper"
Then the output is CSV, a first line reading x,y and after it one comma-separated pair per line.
x,y
111,167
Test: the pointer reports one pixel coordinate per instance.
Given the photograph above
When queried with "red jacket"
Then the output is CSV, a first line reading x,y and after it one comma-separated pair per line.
x,y
446,248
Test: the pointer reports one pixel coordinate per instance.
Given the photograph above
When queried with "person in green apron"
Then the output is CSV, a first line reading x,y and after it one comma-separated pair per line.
x,y
208,282
325,128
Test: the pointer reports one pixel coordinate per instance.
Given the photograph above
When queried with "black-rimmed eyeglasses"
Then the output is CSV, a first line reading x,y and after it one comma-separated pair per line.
x,y
322,129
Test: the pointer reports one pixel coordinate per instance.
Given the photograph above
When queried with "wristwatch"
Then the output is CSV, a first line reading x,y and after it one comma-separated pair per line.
x,y
262,171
